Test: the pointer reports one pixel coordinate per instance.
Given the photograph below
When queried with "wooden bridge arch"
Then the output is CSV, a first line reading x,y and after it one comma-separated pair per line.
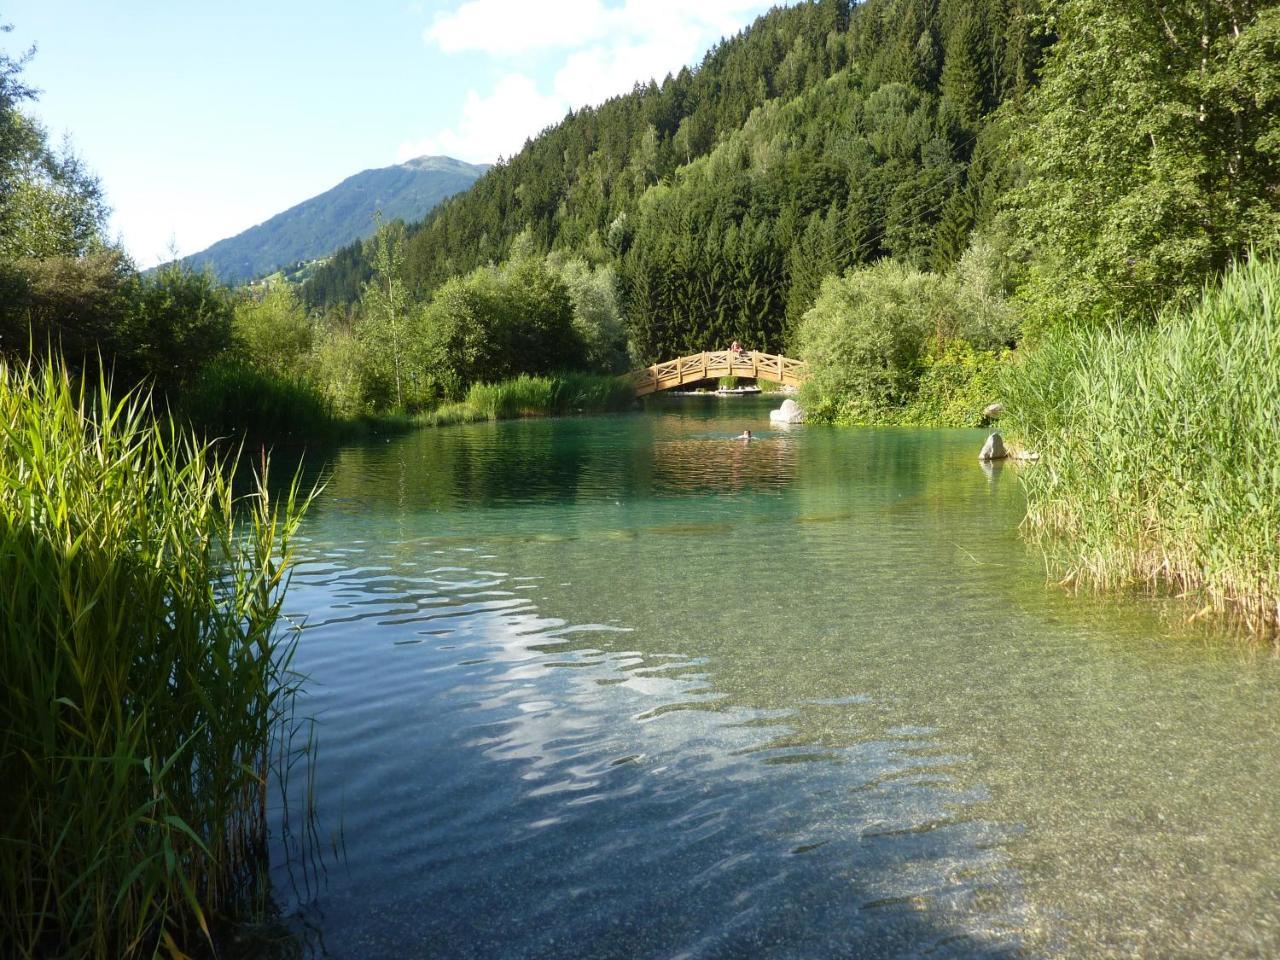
x,y
719,363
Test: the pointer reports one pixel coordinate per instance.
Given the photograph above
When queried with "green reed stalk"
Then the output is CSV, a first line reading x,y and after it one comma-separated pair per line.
x,y
143,674
526,396
1161,450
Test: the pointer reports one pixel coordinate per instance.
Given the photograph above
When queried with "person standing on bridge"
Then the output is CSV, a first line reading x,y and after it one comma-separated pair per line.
x,y
737,350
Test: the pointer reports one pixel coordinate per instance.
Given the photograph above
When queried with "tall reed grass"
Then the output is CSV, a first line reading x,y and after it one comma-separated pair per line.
x,y
527,396
239,401
1161,449
143,670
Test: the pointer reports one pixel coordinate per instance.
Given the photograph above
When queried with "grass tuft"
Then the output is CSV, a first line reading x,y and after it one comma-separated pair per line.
x,y
527,396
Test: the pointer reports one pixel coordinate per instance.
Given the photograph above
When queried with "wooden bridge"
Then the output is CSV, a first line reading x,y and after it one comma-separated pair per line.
x,y
719,363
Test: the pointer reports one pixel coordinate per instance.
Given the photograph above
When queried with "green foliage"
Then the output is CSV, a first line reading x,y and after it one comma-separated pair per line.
x,y
1152,151
274,331
526,396
597,316
865,338
890,343
1159,447
144,674
957,382
53,206
50,204
385,304
339,367
340,279
498,322
77,305
160,328
231,399
175,322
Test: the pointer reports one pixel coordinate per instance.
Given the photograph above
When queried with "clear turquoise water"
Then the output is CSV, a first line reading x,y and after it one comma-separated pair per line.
x,y
619,687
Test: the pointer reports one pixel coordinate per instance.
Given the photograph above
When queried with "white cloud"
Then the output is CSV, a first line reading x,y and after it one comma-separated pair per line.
x,y
492,125
502,27
601,51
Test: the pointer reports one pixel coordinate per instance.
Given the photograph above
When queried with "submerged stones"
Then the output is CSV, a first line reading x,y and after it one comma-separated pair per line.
x,y
993,449
789,412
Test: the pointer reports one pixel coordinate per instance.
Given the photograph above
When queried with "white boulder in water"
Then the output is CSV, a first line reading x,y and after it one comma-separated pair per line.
x,y
789,412
993,449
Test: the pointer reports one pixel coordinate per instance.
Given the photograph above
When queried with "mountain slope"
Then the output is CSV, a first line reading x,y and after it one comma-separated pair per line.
x,y
825,135
324,223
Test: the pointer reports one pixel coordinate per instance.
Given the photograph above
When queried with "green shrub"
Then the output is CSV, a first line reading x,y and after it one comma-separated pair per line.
x,y
864,339
957,382
178,321
597,317
892,344
495,324
274,331
338,364
144,675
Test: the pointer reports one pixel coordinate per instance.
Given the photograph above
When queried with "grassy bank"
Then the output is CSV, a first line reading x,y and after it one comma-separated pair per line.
x,y
1161,450
527,396
144,671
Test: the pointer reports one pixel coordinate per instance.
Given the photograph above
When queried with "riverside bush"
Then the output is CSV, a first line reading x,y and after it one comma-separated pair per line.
x,y
1161,448
144,673
892,344
957,382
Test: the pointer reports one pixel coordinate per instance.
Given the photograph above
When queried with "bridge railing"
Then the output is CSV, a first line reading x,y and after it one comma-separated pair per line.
x,y
718,363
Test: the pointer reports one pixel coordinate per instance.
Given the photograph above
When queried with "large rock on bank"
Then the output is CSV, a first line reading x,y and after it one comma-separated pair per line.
x,y
789,412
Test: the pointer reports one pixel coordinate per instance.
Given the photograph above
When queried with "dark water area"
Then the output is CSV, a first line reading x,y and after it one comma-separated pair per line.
x,y
610,687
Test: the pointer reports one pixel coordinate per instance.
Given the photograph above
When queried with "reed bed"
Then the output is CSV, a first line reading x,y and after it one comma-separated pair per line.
x,y
236,400
144,672
527,396
1161,450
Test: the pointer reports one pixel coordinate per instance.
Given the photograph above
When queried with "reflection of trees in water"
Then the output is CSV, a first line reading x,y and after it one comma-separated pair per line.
x,y
702,465
493,464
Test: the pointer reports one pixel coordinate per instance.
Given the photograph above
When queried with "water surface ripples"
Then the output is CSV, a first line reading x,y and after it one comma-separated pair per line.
x,y
618,687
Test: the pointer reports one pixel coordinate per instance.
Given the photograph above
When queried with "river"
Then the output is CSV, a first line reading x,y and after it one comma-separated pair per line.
x,y
619,687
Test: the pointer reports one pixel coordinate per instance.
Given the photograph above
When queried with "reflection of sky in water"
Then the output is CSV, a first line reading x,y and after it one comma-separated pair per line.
x,y
586,690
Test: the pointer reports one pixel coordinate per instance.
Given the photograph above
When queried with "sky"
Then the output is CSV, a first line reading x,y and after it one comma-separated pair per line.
x,y
202,119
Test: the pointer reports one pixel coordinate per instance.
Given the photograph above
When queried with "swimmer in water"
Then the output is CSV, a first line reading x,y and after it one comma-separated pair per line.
x,y
744,435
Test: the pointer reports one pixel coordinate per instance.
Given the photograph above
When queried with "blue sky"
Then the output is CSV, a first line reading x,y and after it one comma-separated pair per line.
x,y
203,119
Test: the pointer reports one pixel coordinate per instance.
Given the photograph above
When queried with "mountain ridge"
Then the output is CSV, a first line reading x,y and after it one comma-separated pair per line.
x,y
344,213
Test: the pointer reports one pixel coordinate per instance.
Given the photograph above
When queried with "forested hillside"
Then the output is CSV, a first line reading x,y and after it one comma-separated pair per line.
x,y
822,136
342,214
